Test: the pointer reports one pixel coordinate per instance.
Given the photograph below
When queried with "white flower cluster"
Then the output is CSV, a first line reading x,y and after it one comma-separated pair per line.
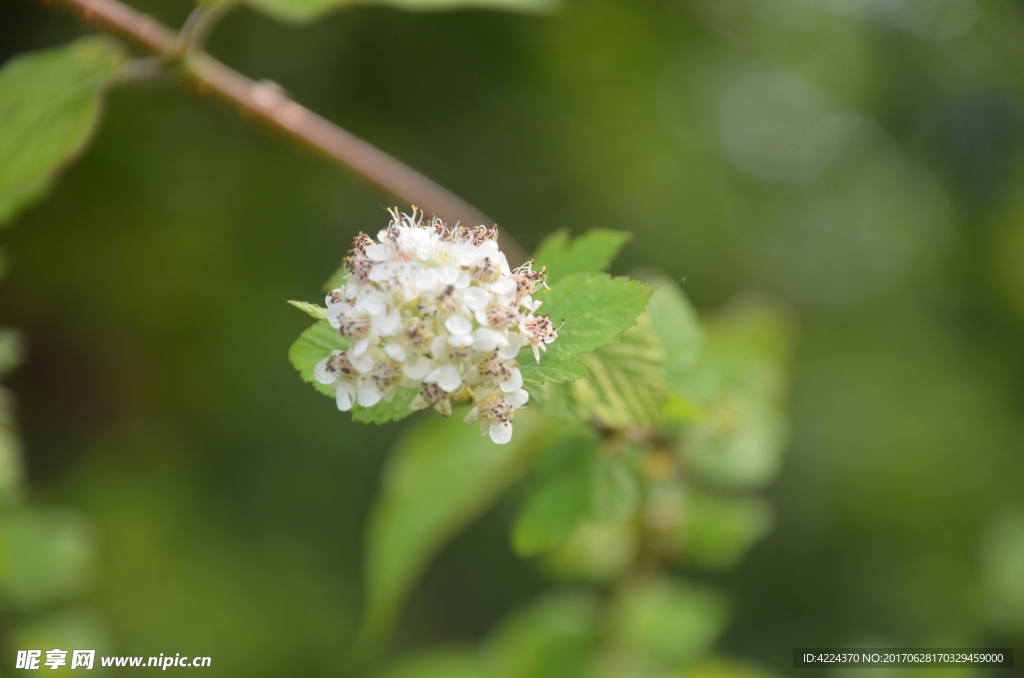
x,y
435,308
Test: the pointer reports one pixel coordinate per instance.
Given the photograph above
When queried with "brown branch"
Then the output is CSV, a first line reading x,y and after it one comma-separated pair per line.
x,y
264,103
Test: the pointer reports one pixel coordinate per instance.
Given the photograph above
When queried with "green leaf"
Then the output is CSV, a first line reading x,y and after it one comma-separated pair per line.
x,y
17,198
592,311
49,105
675,323
717,530
1002,560
385,412
305,10
441,476
740,385
551,368
576,482
592,252
626,387
312,346
11,469
314,311
559,499
594,553
12,349
720,667
550,638
448,663
317,343
670,622
47,555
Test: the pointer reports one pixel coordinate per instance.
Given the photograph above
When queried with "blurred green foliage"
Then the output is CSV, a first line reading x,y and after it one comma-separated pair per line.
x,y
858,160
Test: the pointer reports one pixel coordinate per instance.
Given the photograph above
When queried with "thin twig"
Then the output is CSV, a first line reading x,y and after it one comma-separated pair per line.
x,y
267,104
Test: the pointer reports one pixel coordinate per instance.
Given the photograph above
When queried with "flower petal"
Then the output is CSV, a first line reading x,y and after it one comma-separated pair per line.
x,y
362,363
369,394
457,324
514,383
501,432
387,324
461,340
485,340
476,298
448,378
322,374
509,352
518,399
395,351
345,396
417,369
377,252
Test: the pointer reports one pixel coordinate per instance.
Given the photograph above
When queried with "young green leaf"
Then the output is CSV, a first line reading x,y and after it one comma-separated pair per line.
x,y
592,252
719,529
49,105
317,343
550,638
593,310
594,553
675,322
305,10
312,346
559,499
314,311
740,385
626,387
575,482
670,622
385,412
441,476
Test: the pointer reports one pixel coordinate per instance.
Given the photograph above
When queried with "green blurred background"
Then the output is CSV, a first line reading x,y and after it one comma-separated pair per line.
x,y
859,159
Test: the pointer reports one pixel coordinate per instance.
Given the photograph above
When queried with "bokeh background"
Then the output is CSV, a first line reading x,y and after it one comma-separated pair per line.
x,y
859,159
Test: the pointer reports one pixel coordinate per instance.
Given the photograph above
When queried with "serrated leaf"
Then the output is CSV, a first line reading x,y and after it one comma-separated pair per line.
x,y
305,10
385,412
551,368
317,343
312,346
49,105
591,311
626,387
717,530
592,252
675,322
441,476
576,482
670,622
314,311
